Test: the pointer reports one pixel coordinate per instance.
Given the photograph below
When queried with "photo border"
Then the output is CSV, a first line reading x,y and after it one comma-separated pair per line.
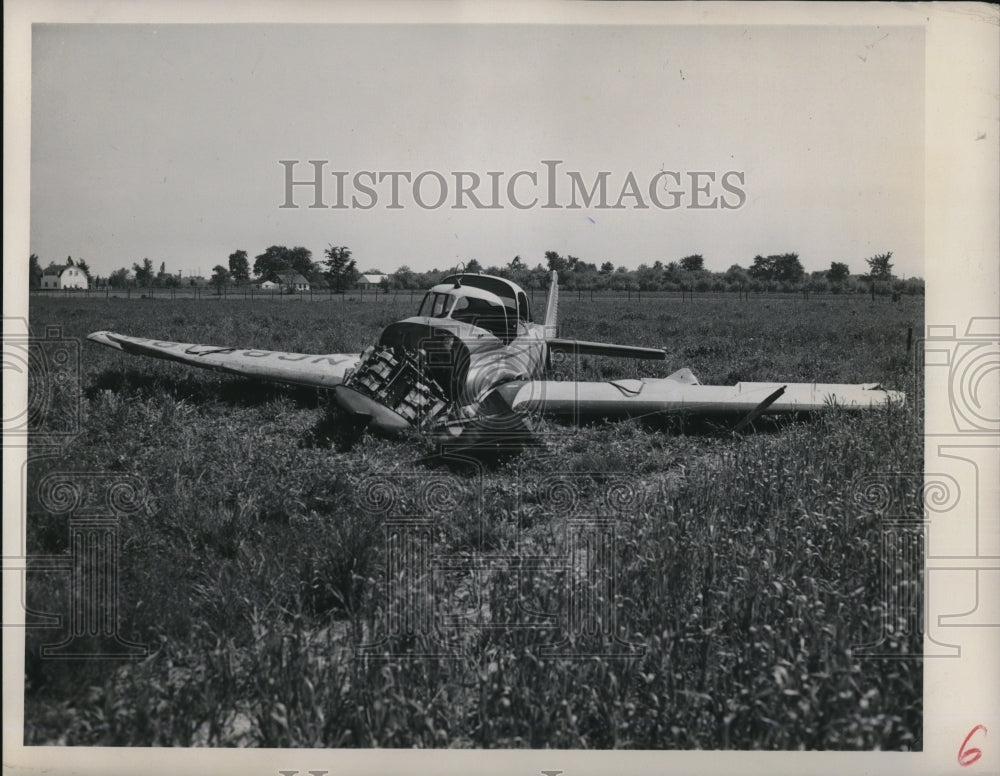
x,y
961,226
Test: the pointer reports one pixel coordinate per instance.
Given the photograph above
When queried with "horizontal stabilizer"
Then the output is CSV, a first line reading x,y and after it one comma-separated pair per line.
x,y
603,349
685,376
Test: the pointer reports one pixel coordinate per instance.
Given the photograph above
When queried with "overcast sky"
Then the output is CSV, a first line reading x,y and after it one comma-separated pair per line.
x,y
165,141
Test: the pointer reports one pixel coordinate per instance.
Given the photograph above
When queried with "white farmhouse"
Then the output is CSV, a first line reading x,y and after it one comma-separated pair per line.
x,y
64,276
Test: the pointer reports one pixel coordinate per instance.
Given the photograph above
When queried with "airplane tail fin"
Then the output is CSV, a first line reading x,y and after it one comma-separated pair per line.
x,y
552,307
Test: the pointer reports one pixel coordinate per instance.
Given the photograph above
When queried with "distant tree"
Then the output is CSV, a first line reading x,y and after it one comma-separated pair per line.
x,y
35,271
220,276
404,277
69,261
340,267
516,264
672,272
648,277
473,265
555,262
239,266
693,263
838,272
268,264
144,273
119,278
300,259
607,268
879,266
736,274
163,268
276,258
787,267
85,268
762,268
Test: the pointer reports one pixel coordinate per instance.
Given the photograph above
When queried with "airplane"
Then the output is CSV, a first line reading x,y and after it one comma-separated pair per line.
x,y
472,367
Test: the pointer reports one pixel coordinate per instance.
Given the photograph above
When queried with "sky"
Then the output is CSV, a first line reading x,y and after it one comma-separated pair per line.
x,y
165,141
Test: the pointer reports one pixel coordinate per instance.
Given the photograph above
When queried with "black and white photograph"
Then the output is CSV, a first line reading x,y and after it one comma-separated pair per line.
x,y
562,380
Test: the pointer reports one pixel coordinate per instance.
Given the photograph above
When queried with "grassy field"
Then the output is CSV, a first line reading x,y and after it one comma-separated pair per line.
x,y
743,571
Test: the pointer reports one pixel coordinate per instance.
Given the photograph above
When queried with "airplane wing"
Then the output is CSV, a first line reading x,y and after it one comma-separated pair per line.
x,y
682,394
320,371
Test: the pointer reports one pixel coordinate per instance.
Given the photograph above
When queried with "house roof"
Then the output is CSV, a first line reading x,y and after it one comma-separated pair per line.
x,y
290,276
374,279
58,269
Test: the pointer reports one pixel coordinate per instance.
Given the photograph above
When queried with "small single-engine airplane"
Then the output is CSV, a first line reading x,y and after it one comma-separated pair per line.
x,y
471,367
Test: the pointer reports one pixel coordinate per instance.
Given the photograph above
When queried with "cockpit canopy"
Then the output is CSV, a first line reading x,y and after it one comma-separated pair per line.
x,y
493,304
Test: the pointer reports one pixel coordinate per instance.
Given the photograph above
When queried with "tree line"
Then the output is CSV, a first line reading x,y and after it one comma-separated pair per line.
x,y
338,271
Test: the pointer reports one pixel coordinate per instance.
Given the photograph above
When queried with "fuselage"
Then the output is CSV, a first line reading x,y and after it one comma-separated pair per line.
x,y
472,334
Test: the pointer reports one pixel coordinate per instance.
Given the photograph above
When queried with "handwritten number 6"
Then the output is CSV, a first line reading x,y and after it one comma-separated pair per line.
x,y
969,756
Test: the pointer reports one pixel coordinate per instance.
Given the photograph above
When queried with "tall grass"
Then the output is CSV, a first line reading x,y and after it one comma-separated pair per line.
x,y
745,573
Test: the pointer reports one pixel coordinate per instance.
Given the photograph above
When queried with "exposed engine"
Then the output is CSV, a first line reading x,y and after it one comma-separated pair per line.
x,y
393,378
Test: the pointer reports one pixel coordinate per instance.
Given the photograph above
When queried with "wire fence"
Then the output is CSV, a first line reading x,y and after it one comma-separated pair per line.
x,y
378,295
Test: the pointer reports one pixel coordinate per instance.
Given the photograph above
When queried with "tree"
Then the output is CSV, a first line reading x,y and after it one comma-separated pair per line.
x,y
473,265
220,276
119,278
69,261
404,277
838,272
693,263
516,265
239,266
762,268
341,268
279,257
300,259
556,263
787,267
736,274
85,268
34,271
879,266
144,273
607,268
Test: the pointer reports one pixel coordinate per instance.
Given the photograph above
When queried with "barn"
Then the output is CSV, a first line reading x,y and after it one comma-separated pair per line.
x,y
64,276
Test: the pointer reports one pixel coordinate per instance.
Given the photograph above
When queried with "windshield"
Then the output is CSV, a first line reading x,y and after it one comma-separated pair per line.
x,y
495,318
435,305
